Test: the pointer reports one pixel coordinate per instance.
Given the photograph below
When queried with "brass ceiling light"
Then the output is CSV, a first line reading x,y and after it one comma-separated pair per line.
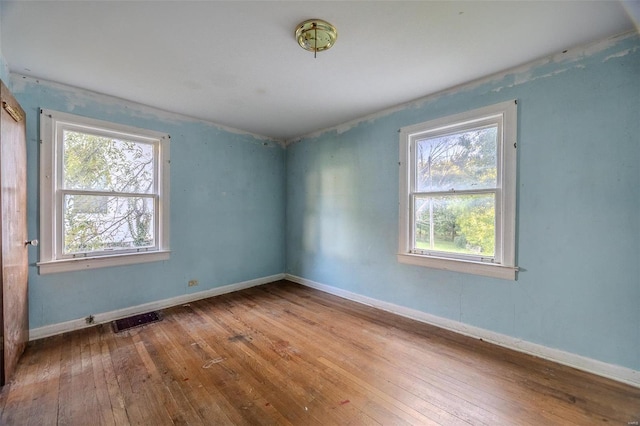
x,y
316,35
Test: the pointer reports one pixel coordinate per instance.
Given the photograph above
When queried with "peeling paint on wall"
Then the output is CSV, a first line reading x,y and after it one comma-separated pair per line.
x,y
80,98
519,75
621,54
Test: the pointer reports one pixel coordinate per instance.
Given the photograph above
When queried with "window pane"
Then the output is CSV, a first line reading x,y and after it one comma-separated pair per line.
x,y
465,160
99,223
105,164
455,224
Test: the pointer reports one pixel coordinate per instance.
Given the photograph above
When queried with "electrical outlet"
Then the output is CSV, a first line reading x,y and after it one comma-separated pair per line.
x,y
193,283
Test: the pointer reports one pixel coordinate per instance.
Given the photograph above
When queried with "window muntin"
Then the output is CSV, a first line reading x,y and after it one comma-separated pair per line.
x,y
457,192
107,188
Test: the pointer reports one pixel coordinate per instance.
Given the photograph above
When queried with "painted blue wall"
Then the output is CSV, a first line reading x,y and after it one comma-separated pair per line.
x,y
227,210
578,203
4,67
4,71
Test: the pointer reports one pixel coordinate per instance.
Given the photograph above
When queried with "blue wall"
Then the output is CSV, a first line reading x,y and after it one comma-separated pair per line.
x,y
4,71
227,210
578,208
4,67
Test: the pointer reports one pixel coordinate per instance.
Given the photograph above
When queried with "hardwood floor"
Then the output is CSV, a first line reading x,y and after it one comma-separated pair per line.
x,y
285,354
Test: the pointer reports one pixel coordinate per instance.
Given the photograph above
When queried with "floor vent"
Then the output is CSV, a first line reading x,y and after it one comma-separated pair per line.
x,y
135,321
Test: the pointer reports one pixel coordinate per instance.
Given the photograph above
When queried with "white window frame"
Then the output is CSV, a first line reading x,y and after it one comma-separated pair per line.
x,y
51,259
502,264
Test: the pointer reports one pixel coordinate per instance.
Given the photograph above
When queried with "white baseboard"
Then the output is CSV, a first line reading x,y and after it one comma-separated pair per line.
x,y
77,324
611,371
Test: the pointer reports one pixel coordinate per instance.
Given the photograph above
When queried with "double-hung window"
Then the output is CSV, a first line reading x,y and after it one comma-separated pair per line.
x,y
104,194
458,192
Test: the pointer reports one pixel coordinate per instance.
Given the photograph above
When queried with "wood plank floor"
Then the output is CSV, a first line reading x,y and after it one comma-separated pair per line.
x,y
285,354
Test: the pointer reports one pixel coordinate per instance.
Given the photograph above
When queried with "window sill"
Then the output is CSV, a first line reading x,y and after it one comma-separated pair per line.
x,y
80,264
464,266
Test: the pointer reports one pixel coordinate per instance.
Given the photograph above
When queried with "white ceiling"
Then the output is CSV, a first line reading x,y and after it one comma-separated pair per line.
x,y
236,63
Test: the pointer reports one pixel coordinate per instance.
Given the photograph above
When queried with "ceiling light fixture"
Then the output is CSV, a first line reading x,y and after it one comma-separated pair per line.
x,y
316,35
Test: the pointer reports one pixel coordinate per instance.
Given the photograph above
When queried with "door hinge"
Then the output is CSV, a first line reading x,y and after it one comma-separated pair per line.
x,y
14,113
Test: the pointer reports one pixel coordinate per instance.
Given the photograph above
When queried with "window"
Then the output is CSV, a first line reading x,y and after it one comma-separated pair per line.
x,y
458,192
104,194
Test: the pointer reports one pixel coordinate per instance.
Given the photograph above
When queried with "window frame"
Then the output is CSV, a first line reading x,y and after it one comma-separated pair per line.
x,y
502,264
52,259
